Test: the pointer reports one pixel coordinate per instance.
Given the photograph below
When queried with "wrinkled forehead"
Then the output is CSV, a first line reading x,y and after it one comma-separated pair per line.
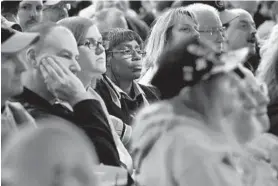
x,y
208,20
244,17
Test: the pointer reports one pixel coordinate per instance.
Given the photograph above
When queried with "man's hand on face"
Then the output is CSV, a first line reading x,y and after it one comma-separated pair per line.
x,y
61,82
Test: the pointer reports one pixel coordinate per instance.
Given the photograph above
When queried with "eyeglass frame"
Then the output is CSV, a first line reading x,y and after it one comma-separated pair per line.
x,y
213,30
131,54
96,45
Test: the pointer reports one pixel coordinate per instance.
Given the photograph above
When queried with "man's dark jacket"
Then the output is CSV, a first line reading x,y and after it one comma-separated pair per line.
x,y
87,115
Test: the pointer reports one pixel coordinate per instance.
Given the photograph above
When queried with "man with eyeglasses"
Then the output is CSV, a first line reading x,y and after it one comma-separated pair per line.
x,y
210,26
123,96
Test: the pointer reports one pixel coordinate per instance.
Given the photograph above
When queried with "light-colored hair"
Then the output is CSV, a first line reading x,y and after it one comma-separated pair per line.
x,y
159,35
268,69
78,26
200,9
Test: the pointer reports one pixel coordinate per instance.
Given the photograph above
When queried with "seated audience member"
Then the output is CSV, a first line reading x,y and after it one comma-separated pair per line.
x,y
55,11
241,32
268,73
26,13
210,26
133,22
194,85
92,61
51,78
171,27
109,18
53,154
13,46
118,87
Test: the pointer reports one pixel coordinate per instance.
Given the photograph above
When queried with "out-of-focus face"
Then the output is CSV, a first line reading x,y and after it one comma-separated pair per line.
x,y
184,29
126,60
258,91
12,67
92,54
29,13
210,28
242,33
229,91
61,45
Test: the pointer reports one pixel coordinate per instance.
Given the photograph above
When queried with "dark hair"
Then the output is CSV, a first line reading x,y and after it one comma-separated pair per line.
x,y
116,36
169,78
9,7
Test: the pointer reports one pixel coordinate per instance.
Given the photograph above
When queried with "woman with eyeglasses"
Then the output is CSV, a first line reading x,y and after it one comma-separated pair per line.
x,y
92,60
170,28
119,88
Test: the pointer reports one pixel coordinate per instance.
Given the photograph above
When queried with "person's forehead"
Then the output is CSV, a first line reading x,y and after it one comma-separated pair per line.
x,y
61,39
209,20
132,43
93,32
185,20
245,17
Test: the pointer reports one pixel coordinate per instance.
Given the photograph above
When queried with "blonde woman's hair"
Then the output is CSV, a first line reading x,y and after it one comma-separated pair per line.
x,y
268,69
159,35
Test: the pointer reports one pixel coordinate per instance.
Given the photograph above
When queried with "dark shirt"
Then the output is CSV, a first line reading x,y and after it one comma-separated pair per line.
x,y
87,115
273,117
128,107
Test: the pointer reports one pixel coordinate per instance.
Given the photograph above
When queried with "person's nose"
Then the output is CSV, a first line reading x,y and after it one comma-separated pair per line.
x,y
136,56
196,34
220,37
75,67
100,49
21,66
34,13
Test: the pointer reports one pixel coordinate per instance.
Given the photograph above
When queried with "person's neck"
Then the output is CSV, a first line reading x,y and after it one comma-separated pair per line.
x,y
125,85
87,79
3,100
36,84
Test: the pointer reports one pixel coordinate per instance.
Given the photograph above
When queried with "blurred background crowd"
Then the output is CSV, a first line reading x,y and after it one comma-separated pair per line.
x,y
139,93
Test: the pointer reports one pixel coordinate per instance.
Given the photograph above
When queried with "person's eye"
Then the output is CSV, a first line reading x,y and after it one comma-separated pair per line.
x,y
127,51
25,7
67,56
39,8
186,29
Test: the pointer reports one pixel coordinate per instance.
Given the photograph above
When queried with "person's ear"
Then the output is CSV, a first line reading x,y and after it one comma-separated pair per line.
x,y
31,57
108,61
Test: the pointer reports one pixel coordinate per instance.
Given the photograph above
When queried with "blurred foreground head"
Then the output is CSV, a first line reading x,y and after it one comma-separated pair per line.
x,y
50,155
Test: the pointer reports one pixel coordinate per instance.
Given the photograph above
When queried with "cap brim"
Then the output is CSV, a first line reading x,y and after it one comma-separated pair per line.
x,y
19,41
51,2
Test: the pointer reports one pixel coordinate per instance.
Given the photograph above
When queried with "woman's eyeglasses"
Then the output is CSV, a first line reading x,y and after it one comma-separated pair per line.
x,y
93,44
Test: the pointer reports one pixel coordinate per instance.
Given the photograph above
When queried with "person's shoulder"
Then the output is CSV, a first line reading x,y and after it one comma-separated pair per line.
x,y
149,89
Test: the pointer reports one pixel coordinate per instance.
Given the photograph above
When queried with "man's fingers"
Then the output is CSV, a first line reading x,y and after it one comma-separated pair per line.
x,y
55,66
51,72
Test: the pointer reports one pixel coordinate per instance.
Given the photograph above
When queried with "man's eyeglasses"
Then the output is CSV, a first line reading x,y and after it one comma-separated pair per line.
x,y
213,31
93,44
129,52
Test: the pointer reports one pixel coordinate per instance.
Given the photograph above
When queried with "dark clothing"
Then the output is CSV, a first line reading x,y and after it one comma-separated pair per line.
x,y
127,106
138,26
273,117
87,115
